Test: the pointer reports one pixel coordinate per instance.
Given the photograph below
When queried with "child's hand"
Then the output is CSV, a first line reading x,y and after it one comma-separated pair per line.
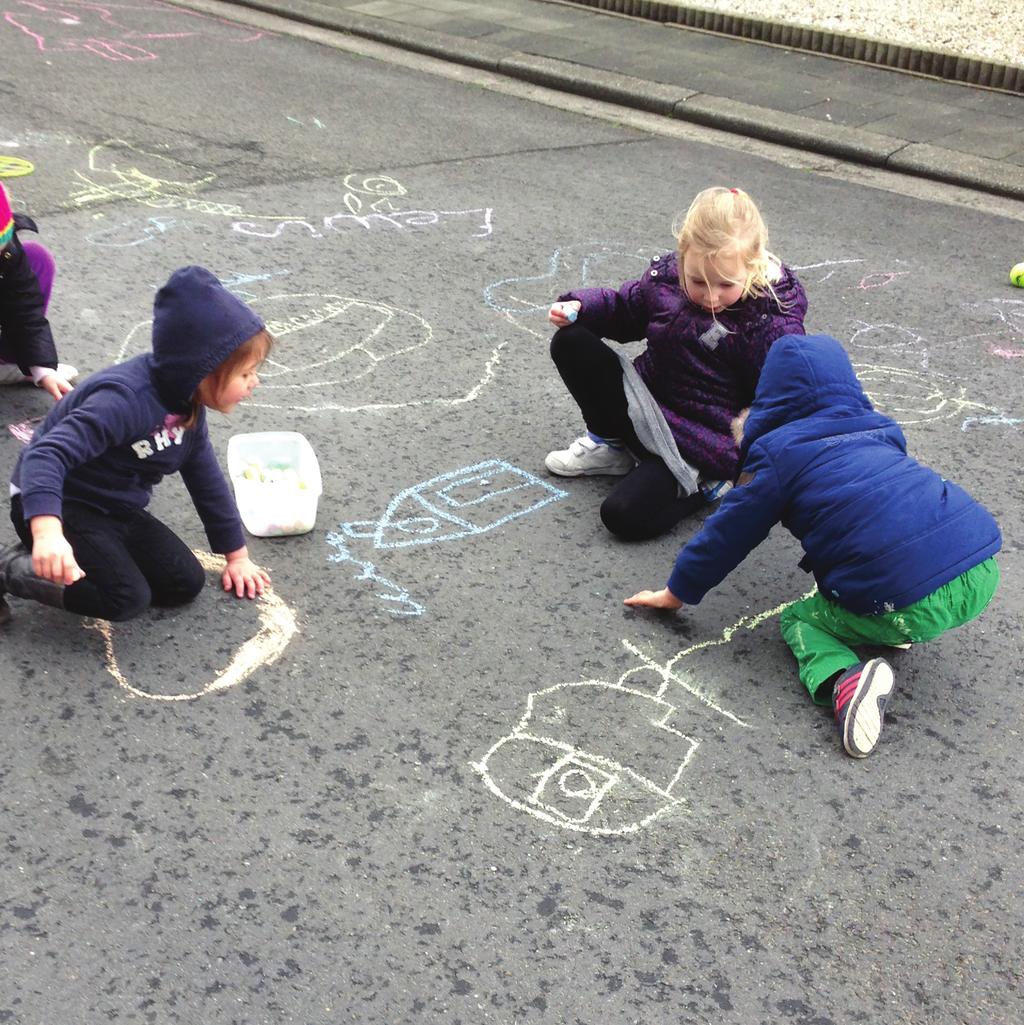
x,y
52,557
563,314
243,576
56,386
663,599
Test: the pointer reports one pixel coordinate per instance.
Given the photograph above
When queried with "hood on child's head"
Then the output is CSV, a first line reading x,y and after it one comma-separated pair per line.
x,y
803,375
197,324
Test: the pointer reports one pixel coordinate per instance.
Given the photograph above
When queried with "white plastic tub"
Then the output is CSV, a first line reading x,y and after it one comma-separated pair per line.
x,y
277,482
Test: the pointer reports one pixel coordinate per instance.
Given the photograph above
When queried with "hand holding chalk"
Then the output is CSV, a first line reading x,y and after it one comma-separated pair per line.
x,y
565,313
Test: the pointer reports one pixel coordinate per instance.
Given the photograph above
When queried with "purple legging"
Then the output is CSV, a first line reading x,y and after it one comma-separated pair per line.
x,y
43,266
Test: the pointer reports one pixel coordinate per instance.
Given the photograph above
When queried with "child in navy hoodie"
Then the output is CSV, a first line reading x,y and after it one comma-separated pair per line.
x,y
79,491
900,554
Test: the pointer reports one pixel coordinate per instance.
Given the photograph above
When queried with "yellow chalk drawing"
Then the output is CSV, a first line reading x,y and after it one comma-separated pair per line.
x,y
15,167
914,397
119,170
277,627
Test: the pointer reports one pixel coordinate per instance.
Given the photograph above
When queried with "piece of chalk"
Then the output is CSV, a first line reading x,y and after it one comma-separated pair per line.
x,y
570,313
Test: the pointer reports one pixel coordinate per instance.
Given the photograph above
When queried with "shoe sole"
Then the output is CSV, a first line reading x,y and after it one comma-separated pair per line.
x,y
560,471
863,725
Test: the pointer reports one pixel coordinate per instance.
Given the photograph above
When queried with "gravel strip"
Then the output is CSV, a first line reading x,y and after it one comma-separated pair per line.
x,y
973,28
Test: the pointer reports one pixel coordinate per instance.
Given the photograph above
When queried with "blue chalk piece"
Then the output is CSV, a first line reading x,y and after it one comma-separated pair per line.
x,y
570,315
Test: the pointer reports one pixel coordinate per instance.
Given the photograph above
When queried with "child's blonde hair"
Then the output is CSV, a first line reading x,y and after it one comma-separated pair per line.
x,y
255,349
726,222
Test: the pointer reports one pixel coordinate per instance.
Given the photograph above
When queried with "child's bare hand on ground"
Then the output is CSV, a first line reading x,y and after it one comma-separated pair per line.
x,y
244,577
663,599
558,314
56,385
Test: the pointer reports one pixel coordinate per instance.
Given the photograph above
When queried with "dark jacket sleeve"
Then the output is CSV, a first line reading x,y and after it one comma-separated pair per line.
x,y
25,336
621,314
104,421
212,496
743,520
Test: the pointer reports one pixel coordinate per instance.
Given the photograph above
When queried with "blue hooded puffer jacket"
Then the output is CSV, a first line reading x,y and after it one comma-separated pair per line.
x,y
879,530
111,440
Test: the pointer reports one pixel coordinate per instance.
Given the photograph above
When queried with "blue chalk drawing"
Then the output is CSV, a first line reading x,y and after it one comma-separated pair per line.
x,y
235,282
461,503
457,504
407,605
1006,421
565,269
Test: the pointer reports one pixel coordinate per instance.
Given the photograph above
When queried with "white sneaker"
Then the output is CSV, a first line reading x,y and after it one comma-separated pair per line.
x,y
586,457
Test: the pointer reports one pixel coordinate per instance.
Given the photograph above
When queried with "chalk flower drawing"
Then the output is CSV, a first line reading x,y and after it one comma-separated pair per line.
x,y
608,758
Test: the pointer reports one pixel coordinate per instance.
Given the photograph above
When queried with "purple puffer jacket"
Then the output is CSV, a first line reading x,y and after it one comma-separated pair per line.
x,y
699,374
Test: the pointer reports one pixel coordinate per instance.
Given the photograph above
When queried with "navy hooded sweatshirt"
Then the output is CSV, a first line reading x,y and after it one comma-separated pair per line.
x,y
108,442
879,530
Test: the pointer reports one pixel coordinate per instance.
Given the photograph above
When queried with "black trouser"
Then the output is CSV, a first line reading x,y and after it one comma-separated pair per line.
x,y
130,562
647,501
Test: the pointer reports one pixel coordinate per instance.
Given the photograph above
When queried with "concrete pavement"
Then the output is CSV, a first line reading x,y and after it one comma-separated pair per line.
x,y
941,130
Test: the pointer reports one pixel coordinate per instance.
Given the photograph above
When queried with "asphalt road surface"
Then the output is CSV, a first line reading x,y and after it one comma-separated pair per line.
x,y
443,775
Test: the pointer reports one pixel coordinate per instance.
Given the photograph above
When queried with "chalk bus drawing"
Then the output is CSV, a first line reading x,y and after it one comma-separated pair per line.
x,y
461,503
108,30
608,758
457,504
277,627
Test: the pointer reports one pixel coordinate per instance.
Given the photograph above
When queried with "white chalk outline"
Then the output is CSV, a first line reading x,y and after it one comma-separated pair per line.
x,y
536,807
277,627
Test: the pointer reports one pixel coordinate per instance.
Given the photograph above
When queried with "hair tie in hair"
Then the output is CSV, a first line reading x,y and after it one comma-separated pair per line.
x,y
735,192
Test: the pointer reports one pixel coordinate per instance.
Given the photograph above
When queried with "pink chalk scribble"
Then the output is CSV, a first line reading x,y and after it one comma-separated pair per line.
x,y
118,31
880,279
23,431
1006,353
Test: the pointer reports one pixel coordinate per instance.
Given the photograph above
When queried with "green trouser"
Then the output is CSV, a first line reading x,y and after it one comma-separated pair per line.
x,y
819,631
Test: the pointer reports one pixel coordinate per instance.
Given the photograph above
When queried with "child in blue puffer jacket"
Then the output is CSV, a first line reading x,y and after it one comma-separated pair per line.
x,y
900,554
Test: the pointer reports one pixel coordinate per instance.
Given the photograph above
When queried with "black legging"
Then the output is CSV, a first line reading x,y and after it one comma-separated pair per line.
x,y
130,562
647,501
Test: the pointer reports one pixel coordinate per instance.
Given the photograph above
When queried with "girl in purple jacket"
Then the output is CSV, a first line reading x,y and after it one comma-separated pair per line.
x,y
709,312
